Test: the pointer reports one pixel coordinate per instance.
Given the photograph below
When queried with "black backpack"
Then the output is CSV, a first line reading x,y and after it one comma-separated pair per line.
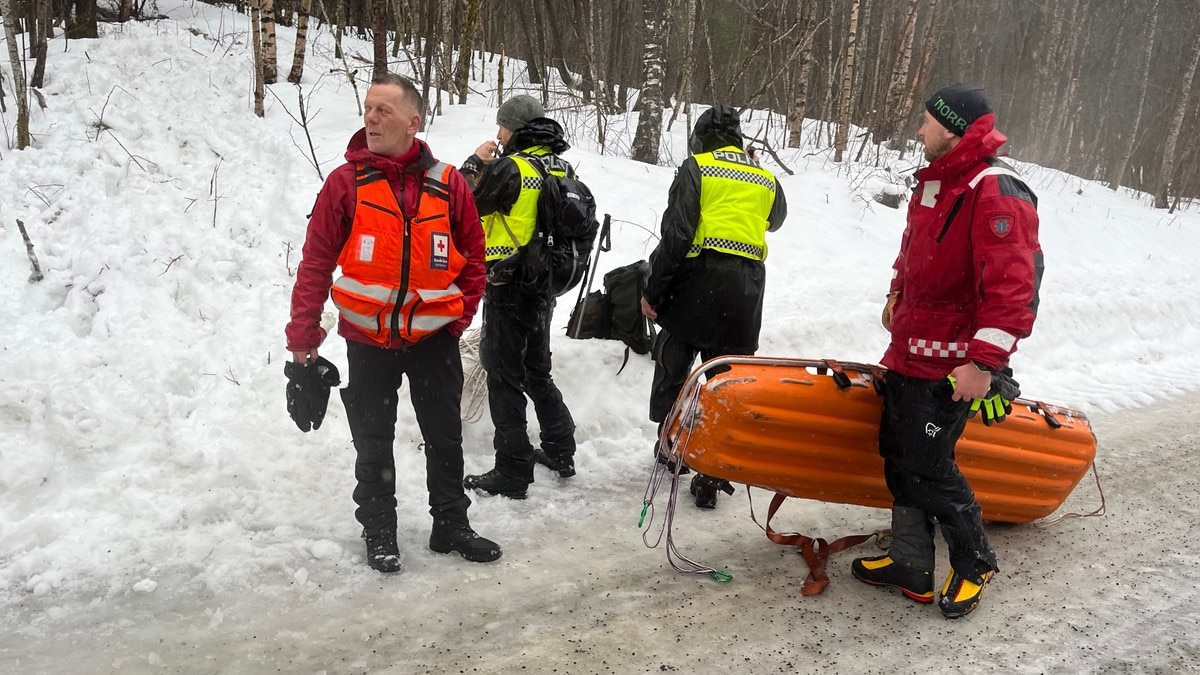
x,y
556,259
616,312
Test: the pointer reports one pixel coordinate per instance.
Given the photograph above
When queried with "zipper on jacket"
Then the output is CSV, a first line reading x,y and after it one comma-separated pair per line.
x,y
381,208
953,212
406,260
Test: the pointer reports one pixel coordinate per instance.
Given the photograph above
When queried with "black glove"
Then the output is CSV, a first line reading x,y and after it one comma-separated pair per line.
x,y
308,391
997,403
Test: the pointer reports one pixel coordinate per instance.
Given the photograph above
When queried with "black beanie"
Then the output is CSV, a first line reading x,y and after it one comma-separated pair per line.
x,y
957,106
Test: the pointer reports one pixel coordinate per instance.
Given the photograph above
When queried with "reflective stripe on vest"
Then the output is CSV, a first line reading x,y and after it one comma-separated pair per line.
x,y
505,234
736,196
388,254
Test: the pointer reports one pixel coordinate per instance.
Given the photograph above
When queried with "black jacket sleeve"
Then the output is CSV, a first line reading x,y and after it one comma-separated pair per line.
x,y
498,187
679,224
778,209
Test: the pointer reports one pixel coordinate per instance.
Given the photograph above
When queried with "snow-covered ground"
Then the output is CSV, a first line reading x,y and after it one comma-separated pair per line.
x,y
159,511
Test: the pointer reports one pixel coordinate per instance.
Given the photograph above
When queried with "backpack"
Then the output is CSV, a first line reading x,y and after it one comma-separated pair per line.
x,y
616,312
557,256
625,287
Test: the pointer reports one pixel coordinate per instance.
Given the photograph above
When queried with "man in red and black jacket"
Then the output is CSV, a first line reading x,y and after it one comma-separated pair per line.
x,y
404,230
965,290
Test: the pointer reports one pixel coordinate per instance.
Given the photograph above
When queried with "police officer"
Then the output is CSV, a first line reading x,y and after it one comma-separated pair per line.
x,y
515,342
707,276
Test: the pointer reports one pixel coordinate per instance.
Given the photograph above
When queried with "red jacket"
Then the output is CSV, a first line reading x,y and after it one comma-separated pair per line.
x,y
969,266
329,227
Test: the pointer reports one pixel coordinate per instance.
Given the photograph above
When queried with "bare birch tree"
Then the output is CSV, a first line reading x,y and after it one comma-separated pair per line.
x,y
378,9
18,74
649,128
843,131
1118,172
270,72
256,31
297,71
803,74
1162,193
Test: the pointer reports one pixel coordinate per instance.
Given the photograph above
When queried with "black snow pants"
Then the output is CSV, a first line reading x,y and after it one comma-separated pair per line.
x,y
920,426
435,378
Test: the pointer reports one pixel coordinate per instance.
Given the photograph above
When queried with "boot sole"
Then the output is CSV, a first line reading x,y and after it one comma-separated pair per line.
x,y
544,460
451,548
500,493
915,597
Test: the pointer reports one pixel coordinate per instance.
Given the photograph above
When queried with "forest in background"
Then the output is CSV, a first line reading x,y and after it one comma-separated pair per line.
x,y
1098,88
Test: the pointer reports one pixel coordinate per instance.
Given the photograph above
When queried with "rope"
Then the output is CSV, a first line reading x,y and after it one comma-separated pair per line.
x,y
474,378
1065,516
679,562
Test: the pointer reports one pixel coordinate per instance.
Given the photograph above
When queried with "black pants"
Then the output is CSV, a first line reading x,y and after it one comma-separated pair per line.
x,y
917,435
515,350
435,378
673,361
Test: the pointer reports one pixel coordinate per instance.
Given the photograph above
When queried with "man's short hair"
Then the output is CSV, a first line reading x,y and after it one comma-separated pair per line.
x,y
407,87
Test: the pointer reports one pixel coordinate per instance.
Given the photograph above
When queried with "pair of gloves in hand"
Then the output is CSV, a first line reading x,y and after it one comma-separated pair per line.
x,y
308,391
996,404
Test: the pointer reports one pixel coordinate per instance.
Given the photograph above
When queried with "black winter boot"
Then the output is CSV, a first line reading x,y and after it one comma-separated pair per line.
x,y
383,555
704,489
881,570
565,466
496,483
461,538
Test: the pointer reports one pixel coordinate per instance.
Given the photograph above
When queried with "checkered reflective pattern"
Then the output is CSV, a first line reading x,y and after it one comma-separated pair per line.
x,y
734,174
729,245
498,250
934,348
531,183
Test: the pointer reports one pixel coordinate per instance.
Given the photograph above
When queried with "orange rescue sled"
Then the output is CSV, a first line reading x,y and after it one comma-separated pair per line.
x,y
809,429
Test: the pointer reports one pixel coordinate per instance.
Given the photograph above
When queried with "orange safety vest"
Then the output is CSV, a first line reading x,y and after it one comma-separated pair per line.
x,y
391,255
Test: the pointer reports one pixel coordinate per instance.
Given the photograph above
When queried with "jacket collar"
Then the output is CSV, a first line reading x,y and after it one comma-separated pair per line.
x,y
417,159
981,141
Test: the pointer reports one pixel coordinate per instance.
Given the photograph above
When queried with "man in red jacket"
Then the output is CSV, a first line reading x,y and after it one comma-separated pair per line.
x,y
404,229
965,289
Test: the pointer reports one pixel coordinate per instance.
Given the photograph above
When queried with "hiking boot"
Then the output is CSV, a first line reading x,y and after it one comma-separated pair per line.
x,y
704,489
382,553
960,595
464,540
565,466
883,571
496,483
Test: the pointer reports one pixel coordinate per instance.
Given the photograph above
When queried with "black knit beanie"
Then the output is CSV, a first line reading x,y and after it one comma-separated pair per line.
x,y
957,106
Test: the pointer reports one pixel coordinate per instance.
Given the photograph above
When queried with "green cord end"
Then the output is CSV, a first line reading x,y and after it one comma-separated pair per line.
x,y
642,519
720,576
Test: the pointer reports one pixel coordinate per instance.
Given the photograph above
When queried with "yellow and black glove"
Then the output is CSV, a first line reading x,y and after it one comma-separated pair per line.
x,y
996,405
888,308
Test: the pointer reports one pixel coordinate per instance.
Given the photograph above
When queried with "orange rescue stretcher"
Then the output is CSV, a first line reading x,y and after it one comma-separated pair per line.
x,y
809,429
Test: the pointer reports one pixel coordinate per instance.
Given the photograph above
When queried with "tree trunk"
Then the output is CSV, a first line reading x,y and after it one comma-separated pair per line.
x,y
1118,172
920,80
1162,194
297,72
270,72
803,73
649,128
379,65
83,24
256,30
39,29
891,111
126,11
18,74
470,28
684,93
843,132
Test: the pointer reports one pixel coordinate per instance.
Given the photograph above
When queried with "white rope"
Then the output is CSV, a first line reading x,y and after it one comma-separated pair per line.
x,y
474,392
